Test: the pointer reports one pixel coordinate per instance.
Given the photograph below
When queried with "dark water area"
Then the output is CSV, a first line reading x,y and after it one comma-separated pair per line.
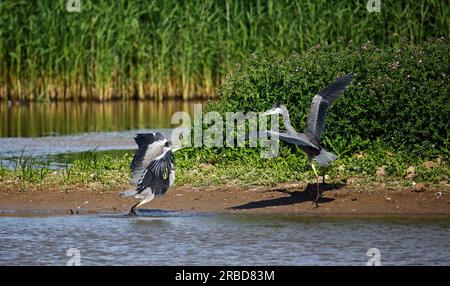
x,y
171,238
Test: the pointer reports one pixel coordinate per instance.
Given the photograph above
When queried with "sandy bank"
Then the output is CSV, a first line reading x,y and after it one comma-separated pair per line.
x,y
293,198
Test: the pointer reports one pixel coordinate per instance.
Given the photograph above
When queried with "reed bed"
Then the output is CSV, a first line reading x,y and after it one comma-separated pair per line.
x,y
169,48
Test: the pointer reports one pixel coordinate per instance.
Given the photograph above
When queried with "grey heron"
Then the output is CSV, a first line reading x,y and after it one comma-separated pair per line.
x,y
309,140
153,168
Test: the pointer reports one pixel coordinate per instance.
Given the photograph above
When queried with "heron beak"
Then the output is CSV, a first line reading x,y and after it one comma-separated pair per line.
x,y
269,112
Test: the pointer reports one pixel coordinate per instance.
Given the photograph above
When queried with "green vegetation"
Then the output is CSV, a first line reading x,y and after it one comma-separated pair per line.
x,y
399,96
245,167
240,167
164,49
91,168
391,125
30,169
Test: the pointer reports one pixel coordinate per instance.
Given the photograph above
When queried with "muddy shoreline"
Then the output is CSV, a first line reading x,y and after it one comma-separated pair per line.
x,y
289,198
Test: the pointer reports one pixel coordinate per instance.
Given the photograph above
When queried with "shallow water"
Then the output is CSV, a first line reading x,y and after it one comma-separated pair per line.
x,y
45,131
52,145
161,238
64,149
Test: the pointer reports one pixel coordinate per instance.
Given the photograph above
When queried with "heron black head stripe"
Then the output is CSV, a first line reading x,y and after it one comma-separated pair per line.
x,y
143,139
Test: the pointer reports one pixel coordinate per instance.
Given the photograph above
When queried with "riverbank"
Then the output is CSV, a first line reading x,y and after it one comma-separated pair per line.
x,y
286,198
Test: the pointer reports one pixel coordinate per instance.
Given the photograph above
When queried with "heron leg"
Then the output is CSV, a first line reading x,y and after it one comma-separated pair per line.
x,y
133,210
318,187
144,201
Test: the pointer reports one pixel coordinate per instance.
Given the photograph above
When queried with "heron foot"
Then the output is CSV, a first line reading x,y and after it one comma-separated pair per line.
x,y
132,213
316,200
316,203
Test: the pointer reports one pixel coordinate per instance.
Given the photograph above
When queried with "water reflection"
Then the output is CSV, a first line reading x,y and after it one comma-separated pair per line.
x,y
61,118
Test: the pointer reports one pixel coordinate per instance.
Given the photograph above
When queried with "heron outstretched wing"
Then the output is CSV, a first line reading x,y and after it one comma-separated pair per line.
x,y
146,142
159,175
321,102
298,139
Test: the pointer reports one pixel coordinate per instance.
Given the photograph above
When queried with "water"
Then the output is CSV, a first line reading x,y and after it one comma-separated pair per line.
x,y
49,131
190,239
64,118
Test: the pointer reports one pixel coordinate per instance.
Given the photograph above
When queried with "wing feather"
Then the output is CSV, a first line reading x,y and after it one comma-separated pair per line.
x,y
322,101
159,175
148,146
299,139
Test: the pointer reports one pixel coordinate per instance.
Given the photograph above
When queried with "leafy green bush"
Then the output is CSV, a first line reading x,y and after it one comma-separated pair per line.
x,y
399,96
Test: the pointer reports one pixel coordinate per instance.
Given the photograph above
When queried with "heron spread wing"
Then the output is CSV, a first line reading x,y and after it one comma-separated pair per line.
x,y
298,139
159,175
321,102
146,142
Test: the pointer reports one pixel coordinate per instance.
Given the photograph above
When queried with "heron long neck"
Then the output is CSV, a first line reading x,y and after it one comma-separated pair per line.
x,y
287,124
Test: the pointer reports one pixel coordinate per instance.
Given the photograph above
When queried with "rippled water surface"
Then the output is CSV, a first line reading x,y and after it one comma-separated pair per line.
x,y
173,239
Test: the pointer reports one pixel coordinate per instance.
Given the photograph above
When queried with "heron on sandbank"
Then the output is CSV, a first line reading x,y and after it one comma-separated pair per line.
x,y
153,168
309,140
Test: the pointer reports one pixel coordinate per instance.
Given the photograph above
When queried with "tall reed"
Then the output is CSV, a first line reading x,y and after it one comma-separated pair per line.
x,y
170,48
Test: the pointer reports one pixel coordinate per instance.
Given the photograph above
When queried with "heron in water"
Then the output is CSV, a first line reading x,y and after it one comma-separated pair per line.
x,y
153,168
309,140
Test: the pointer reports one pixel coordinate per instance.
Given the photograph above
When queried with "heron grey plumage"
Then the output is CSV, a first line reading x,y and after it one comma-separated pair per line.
x,y
153,168
309,140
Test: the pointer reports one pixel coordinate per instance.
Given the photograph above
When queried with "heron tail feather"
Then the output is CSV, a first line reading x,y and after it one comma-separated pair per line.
x,y
325,158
